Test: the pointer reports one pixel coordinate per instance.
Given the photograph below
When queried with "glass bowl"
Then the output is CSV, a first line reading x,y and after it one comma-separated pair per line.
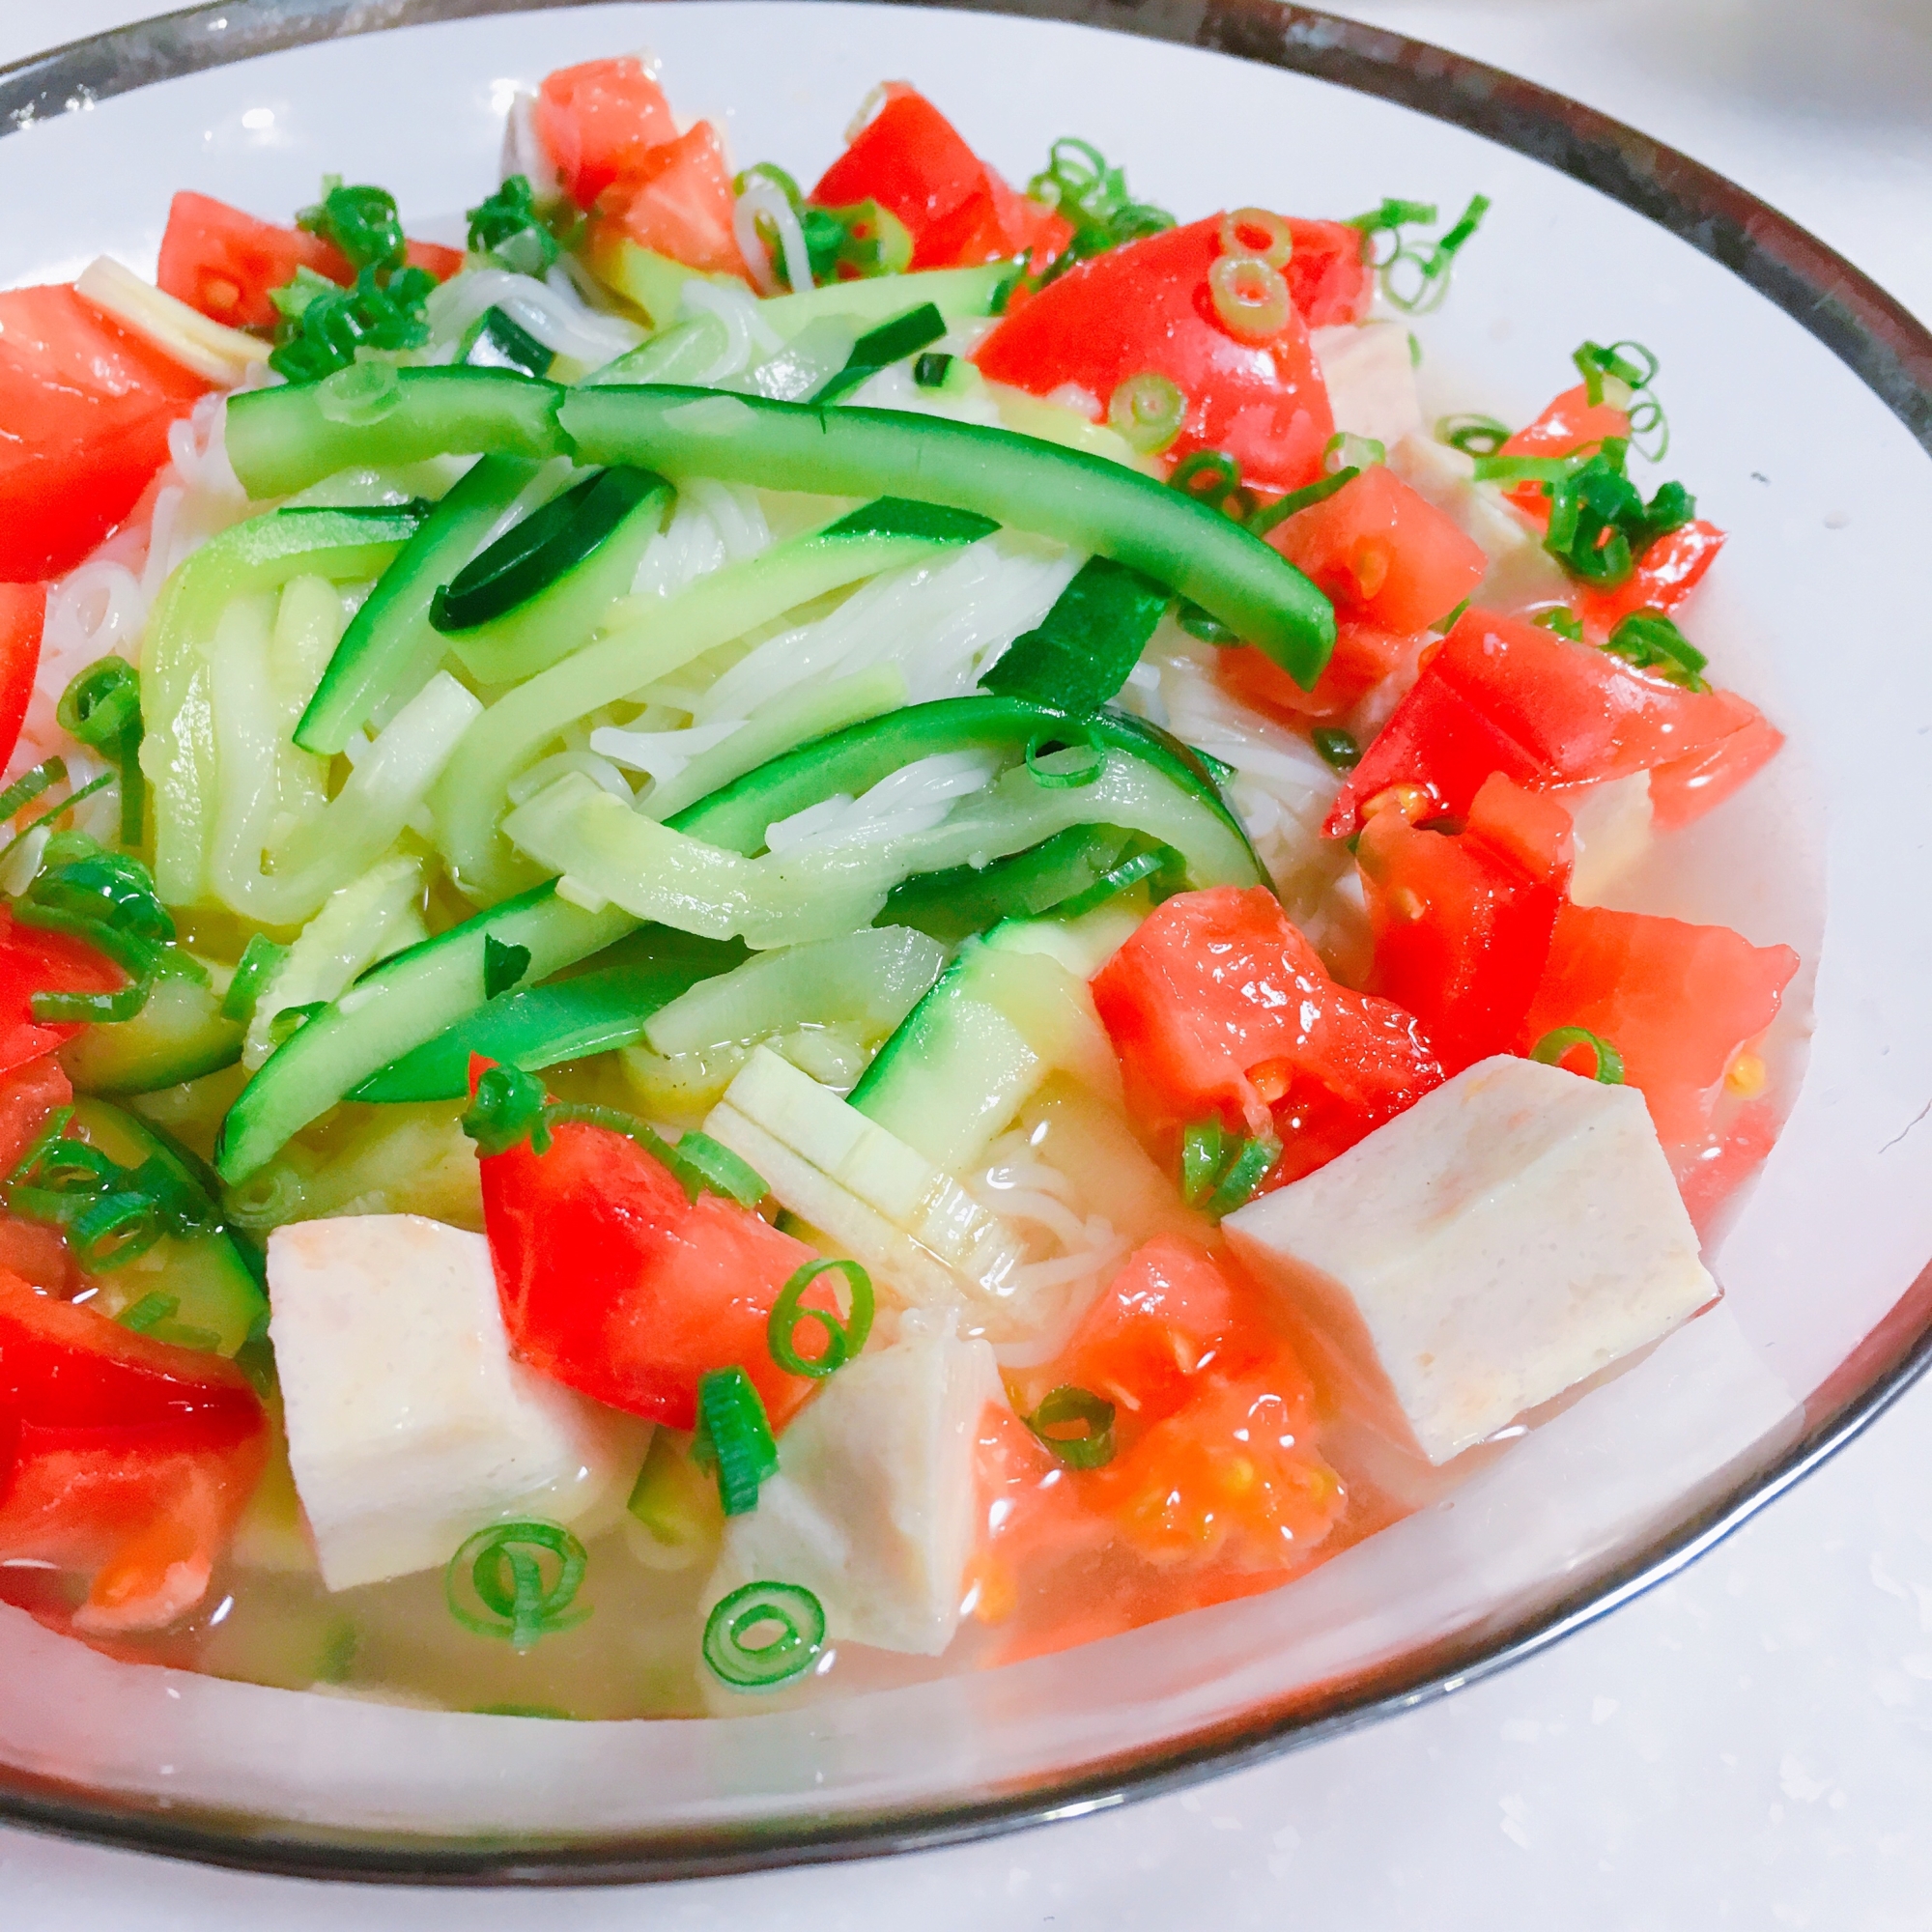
x,y
1800,403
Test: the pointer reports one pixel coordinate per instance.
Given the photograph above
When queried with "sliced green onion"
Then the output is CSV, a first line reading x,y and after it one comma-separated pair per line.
x,y
114,1230
880,348
101,707
1219,1170
261,959
80,878
1281,508
734,1437
1442,626
1472,434
1257,232
362,222
1556,1046
1561,619
533,554
1433,264
150,1312
1594,362
1346,450
1094,1446
1161,868
504,1566
1222,475
1242,1179
29,785
1203,1155
290,1021
788,1653
51,1129
1250,297
1075,777
703,1163
1528,469
504,966
930,370
1652,641
1078,184
507,225
865,239
843,1340
1147,410
1338,747
1393,216
324,328
508,1107
1198,623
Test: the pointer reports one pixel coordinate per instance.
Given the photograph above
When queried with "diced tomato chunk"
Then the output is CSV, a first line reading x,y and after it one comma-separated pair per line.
x,y
28,1096
23,613
677,200
1382,553
1571,422
32,962
122,1457
1329,278
1146,308
223,262
1364,654
1462,920
1502,694
1218,1007
914,162
85,406
1665,575
598,120
616,1285
1676,1001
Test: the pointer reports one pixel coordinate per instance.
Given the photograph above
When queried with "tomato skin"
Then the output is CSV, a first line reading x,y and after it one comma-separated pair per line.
x,y
23,614
84,412
1463,919
917,165
119,1456
677,200
1218,1007
223,262
1665,575
1329,277
1382,553
1146,307
598,120
1676,1001
1364,654
1502,694
616,1284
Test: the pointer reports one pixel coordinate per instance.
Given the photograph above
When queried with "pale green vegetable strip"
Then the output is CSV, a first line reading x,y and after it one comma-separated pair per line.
x,y
954,292
792,718
663,639
872,977
375,914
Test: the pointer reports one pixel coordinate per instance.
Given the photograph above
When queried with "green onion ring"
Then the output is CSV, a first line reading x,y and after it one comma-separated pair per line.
x,y
842,1342
764,1666
1560,1041
1073,1403
507,1580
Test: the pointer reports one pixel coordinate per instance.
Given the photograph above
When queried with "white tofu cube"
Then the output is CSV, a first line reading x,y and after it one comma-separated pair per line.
x,y
874,1503
1370,376
1514,1231
409,1426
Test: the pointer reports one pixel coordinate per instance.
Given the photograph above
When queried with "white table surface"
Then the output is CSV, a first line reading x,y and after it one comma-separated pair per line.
x,y
1749,1745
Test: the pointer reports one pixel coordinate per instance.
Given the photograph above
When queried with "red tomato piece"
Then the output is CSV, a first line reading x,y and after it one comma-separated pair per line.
x,y
1146,307
84,413
1676,1001
1462,921
23,613
223,262
616,1285
27,1096
914,162
1571,422
1219,1008
1329,278
1503,695
1364,654
1383,554
43,963
678,202
1666,574
125,1458
597,122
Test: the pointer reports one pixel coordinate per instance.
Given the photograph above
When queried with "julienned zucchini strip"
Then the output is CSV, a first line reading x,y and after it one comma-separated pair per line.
x,y
282,439
1093,505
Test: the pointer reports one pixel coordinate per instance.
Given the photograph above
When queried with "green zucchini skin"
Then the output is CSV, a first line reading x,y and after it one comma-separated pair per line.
x,y
534,1027
1085,646
389,641
282,439
1083,500
179,1034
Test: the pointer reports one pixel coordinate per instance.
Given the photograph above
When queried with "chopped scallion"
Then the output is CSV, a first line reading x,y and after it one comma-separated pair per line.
x,y
1651,641
1069,1407
1337,746
507,1595
1555,1047
734,1437
703,1163
843,1341
259,960
1472,434
764,1634
1561,619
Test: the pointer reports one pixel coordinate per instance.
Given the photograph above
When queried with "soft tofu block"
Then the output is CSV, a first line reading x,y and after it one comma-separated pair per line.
x,y
1514,1231
873,1506
1370,376
408,1424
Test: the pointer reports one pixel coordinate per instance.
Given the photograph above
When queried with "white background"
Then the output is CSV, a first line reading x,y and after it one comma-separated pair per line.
x,y
1750,1745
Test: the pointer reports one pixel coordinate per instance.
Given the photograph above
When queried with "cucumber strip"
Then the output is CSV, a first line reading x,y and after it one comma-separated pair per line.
x,y
282,439
1095,506
664,637
497,340
547,545
808,711
263,553
179,1034
394,1008
880,348
687,352
561,616
956,904
390,652
214,1288
613,855
954,292
535,1027
1086,646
